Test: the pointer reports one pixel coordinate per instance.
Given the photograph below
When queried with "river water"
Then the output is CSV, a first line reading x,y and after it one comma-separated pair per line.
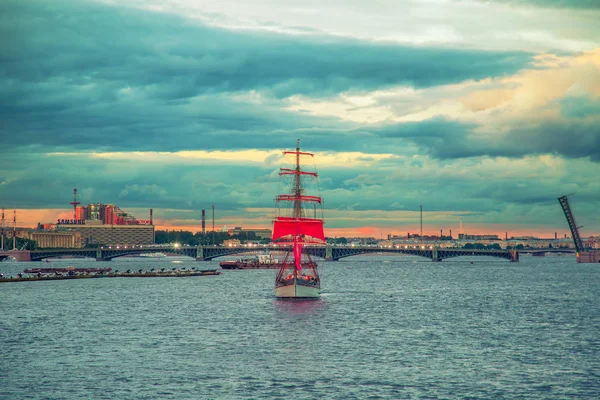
x,y
384,328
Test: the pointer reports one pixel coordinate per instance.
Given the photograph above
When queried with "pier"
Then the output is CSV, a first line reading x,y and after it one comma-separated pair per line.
x,y
61,276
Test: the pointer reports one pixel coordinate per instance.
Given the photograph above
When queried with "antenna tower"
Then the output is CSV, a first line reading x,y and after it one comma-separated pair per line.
x,y
74,203
421,222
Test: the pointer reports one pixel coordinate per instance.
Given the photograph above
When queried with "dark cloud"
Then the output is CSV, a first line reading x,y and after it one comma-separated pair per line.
x,y
31,181
444,139
571,139
85,43
579,107
89,76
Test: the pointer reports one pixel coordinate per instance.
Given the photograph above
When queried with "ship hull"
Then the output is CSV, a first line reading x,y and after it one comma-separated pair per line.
x,y
297,291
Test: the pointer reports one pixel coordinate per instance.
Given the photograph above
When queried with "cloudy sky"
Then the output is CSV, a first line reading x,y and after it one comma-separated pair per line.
x,y
485,110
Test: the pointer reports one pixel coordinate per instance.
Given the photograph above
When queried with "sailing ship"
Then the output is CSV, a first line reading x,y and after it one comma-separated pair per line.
x,y
298,277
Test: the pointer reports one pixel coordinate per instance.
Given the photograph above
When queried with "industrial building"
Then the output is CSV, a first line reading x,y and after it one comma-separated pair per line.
x,y
106,224
260,233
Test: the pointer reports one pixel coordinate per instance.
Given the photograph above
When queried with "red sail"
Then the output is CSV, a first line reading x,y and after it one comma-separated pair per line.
x,y
284,226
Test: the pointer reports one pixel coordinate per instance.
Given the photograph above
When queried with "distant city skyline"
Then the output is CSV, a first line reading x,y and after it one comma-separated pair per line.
x,y
30,218
476,109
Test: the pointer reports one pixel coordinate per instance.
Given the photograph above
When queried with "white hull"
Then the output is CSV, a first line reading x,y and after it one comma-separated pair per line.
x,y
298,291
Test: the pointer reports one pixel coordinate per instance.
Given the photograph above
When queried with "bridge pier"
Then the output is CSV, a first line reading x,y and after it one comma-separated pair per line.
x,y
514,256
328,254
200,256
434,256
99,256
19,255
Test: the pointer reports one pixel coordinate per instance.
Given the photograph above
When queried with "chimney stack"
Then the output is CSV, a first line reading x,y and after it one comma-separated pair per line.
x,y
421,221
14,229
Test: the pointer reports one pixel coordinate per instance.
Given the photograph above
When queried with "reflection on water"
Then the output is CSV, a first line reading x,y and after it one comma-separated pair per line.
x,y
298,306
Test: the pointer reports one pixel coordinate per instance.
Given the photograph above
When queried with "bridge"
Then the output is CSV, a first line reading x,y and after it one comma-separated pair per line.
x,y
433,253
543,252
206,253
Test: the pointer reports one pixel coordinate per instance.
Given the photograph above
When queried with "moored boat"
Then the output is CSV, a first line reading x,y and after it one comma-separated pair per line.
x,y
127,274
152,255
262,261
66,270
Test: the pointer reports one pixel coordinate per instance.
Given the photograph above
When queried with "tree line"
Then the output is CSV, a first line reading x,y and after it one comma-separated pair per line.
x,y
217,238
25,244
206,239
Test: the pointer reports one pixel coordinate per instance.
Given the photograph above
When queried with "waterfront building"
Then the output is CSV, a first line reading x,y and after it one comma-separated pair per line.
x,y
63,240
259,233
232,243
107,214
262,233
102,234
465,236
107,224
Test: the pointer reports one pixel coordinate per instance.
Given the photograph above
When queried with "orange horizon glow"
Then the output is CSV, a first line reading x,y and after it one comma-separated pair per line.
x,y
30,219
381,233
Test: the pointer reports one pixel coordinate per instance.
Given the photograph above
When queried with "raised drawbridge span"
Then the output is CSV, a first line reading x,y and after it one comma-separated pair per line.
x,y
583,255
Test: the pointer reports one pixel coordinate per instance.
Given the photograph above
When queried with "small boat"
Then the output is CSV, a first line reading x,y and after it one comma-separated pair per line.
x,y
153,255
297,276
262,261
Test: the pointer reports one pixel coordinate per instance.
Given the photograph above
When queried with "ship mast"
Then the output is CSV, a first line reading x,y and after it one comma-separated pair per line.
x,y
297,189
